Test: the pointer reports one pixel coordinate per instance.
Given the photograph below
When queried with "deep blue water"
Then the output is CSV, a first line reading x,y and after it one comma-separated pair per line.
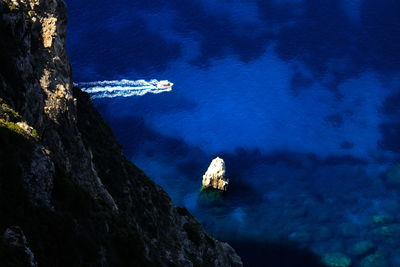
x,y
301,98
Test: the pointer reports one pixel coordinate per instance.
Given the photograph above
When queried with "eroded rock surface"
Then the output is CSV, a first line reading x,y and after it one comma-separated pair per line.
x,y
215,175
15,240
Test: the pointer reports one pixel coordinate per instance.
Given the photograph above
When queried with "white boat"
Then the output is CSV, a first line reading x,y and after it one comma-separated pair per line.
x,y
164,84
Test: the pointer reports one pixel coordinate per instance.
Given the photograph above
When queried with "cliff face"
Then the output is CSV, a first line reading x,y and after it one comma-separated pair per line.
x,y
66,190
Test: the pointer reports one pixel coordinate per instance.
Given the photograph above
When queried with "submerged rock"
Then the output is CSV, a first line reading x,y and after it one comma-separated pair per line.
x,y
348,230
336,260
390,233
362,248
382,219
393,176
374,260
215,176
301,237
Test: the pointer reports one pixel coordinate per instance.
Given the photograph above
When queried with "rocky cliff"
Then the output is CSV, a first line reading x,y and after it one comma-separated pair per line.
x,y
68,197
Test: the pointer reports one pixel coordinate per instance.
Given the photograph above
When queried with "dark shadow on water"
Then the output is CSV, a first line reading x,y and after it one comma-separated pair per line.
x,y
239,192
289,168
336,120
391,106
390,129
110,39
274,254
218,34
390,132
345,159
266,189
346,145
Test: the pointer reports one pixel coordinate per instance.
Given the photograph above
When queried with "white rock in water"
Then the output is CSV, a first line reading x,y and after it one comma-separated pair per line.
x,y
215,175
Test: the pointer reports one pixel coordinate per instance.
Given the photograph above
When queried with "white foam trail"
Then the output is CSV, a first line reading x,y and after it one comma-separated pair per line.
x,y
121,88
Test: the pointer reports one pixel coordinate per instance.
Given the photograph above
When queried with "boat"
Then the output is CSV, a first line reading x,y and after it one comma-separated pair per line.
x,y
164,84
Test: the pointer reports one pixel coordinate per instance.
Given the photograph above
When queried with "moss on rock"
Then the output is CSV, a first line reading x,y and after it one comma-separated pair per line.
x,y
13,121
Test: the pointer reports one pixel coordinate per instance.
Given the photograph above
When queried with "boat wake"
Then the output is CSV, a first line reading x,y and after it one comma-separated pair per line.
x,y
124,88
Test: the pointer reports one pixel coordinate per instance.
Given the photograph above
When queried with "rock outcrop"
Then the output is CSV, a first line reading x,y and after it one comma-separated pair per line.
x,y
15,241
63,177
215,176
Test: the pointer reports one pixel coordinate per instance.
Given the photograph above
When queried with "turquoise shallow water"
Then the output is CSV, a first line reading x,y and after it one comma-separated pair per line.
x,y
300,98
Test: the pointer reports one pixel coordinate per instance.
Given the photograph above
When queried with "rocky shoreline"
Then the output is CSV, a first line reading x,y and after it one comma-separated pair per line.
x,y
67,192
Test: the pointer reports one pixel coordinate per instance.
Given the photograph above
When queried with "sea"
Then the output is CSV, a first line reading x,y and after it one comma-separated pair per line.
x,y
301,98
